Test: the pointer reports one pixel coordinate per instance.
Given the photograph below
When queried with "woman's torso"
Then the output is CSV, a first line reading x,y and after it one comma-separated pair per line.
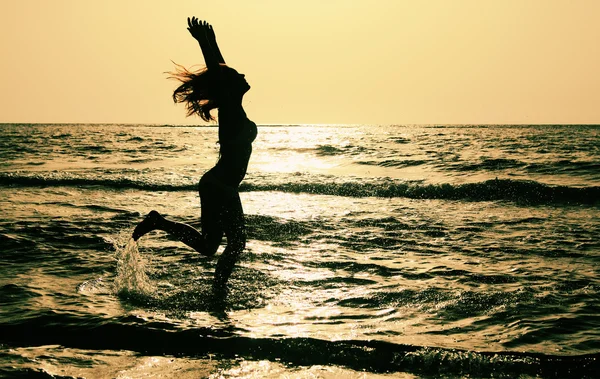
x,y
236,134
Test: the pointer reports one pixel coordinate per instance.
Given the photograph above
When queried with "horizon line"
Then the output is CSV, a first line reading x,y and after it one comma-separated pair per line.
x,y
298,124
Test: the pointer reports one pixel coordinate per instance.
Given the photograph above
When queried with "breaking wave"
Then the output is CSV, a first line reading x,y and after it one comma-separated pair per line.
x,y
521,191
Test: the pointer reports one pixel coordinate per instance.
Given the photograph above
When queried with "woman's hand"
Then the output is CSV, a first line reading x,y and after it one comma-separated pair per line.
x,y
203,32
198,29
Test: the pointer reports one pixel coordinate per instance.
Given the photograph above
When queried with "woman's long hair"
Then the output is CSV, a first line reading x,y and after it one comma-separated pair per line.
x,y
198,91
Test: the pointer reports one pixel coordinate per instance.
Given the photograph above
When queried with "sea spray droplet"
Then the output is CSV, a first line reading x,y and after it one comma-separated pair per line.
x,y
131,271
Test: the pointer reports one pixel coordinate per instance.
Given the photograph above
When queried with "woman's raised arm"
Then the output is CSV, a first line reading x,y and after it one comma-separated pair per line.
x,y
204,34
212,40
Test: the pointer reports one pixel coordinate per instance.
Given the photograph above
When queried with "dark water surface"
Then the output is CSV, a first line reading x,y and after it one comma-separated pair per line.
x,y
396,251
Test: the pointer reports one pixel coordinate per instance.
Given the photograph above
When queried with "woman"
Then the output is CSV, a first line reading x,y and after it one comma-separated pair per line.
x,y
222,87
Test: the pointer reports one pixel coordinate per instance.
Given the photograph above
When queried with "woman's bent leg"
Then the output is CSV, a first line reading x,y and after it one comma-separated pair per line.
x,y
182,232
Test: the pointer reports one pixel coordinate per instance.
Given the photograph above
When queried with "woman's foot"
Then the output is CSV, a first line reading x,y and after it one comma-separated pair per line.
x,y
148,224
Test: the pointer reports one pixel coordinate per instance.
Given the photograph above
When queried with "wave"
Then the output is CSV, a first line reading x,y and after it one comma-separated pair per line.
x,y
527,192
394,163
488,164
565,166
160,338
520,191
74,180
329,150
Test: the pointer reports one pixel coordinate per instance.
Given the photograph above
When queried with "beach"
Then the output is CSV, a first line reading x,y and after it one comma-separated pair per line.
x,y
373,251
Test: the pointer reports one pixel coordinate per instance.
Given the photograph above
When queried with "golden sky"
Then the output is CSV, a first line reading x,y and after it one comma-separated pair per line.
x,y
310,61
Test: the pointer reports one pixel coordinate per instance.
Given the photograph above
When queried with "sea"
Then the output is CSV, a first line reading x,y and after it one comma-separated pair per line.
x,y
374,251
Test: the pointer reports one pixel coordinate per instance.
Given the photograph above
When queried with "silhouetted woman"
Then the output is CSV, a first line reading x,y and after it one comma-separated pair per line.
x,y
222,87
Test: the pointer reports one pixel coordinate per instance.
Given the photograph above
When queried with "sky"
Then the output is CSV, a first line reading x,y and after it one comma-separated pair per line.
x,y
308,62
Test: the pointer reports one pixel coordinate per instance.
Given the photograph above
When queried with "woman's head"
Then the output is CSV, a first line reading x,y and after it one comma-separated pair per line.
x,y
234,81
202,91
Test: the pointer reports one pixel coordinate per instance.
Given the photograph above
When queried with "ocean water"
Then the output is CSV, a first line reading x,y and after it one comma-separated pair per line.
x,y
373,251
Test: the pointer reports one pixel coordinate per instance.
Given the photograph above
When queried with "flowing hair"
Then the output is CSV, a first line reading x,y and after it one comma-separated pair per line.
x,y
198,91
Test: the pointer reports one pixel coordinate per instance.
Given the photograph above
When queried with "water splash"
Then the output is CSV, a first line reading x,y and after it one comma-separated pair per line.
x,y
94,286
131,278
